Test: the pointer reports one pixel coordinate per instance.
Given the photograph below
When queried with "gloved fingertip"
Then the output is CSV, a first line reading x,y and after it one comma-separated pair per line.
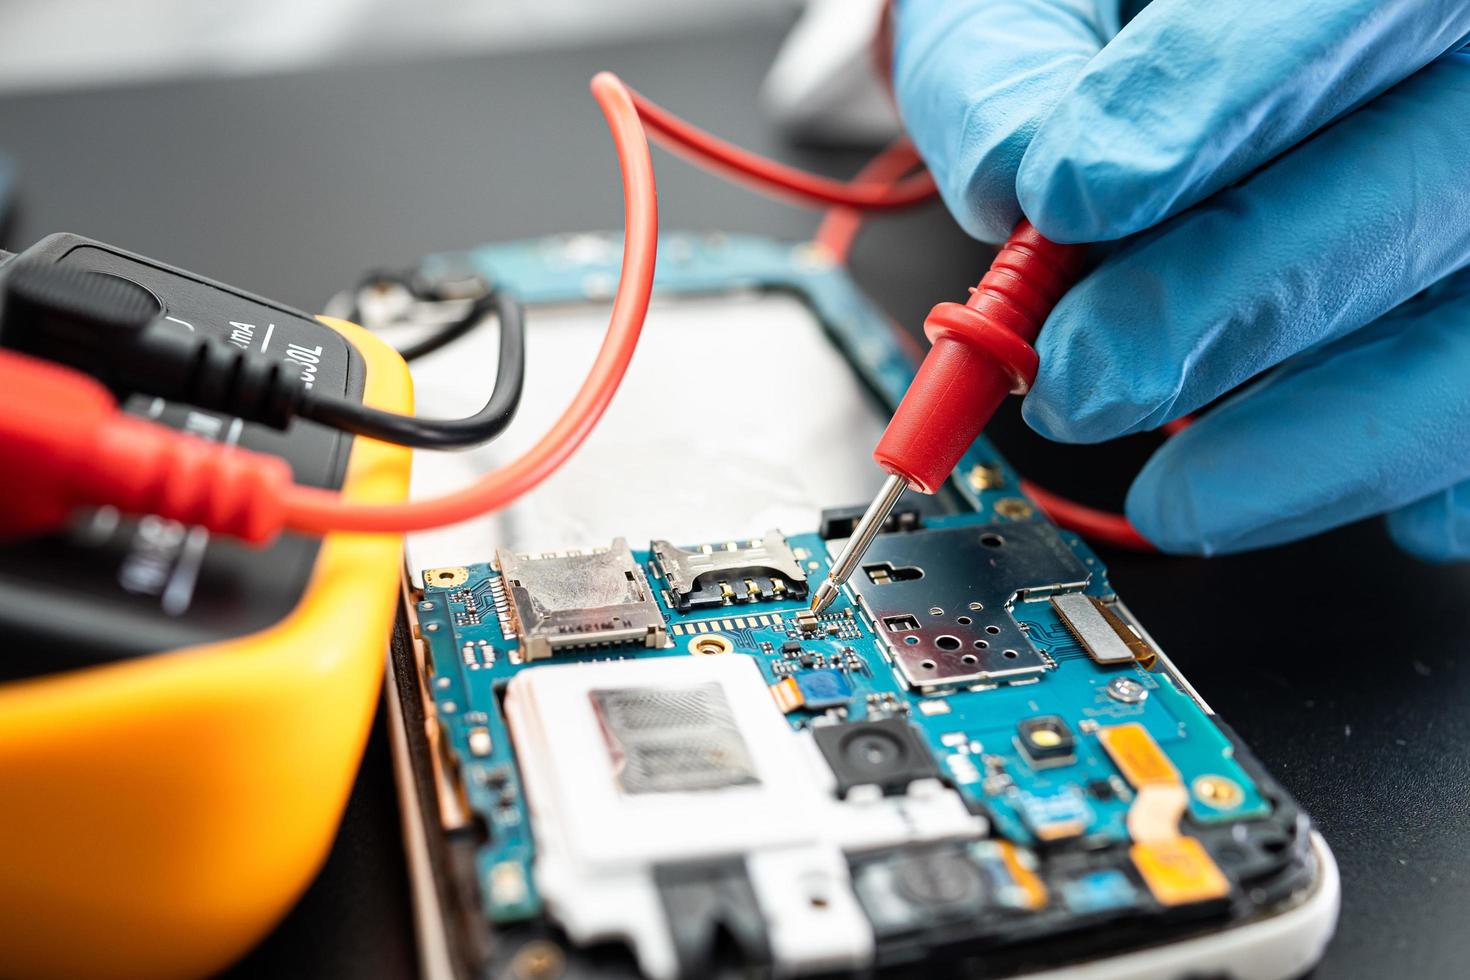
x,y
985,214
1085,178
976,184
1163,510
1436,528
1073,193
1055,201
1054,421
1076,396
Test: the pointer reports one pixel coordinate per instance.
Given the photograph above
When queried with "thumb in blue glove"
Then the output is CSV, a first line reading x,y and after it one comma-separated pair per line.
x,y
1286,179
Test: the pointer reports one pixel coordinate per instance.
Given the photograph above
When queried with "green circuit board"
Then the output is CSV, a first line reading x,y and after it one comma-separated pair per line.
x,y
1046,776
971,730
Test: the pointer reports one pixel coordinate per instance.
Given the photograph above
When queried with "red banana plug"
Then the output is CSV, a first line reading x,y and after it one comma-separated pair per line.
x,y
66,445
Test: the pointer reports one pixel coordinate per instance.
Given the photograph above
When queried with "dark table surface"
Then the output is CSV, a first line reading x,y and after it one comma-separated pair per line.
x,y
1340,661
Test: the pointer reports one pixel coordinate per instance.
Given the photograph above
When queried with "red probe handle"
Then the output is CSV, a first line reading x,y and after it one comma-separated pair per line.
x,y
981,352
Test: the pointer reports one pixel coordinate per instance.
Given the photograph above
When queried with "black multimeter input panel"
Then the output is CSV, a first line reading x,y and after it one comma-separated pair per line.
x,y
113,587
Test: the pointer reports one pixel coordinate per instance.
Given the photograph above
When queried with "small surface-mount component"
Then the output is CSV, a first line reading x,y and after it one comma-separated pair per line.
x,y
985,476
758,571
788,695
1100,630
1046,741
480,742
508,886
885,704
576,600
1105,890
888,754
822,689
1059,815
806,621
838,523
940,599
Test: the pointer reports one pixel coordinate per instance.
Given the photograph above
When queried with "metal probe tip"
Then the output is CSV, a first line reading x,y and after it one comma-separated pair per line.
x,y
862,535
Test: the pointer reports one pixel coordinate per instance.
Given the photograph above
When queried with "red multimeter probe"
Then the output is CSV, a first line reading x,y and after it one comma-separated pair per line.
x,y
981,352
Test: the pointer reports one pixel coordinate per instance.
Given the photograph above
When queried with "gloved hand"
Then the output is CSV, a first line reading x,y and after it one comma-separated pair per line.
x,y
1292,181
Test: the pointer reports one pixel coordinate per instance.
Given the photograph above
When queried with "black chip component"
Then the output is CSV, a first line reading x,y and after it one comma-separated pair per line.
x,y
838,522
791,646
888,754
1101,789
1046,741
760,571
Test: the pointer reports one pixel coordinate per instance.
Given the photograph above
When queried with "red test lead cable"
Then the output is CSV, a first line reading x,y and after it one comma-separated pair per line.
x,y
66,445
981,352
63,431
765,174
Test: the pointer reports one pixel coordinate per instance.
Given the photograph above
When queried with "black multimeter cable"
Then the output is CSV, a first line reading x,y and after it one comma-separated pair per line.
x,y
473,430
442,335
111,330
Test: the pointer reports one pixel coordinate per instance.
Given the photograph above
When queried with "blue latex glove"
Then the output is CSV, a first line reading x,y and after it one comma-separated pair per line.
x,y
1292,181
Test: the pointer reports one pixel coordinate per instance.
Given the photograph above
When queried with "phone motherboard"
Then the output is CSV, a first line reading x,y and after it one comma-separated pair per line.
x,y
650,757
974,748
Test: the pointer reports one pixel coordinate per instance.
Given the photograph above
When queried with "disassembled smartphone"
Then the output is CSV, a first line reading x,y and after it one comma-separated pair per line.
x,y
627,747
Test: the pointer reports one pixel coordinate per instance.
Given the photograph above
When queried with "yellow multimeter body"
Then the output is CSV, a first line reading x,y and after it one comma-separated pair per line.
x,y
160,813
